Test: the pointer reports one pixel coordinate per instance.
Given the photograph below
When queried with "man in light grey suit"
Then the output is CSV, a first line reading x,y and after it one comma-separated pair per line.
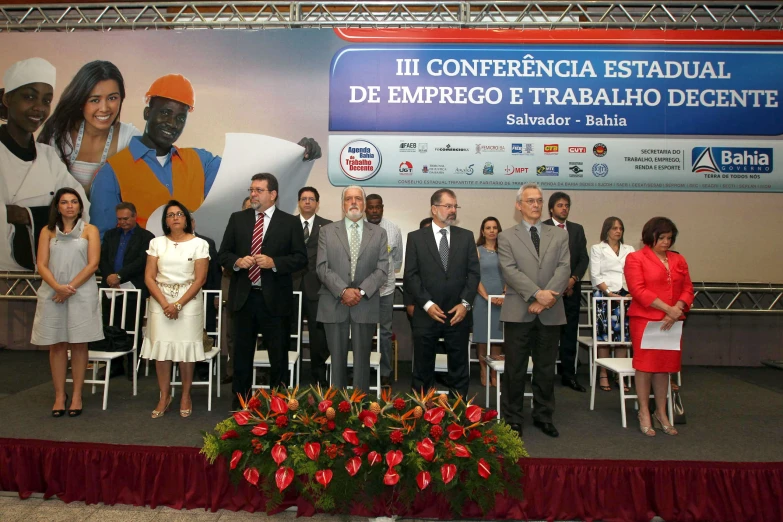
x,y
535,262
353,258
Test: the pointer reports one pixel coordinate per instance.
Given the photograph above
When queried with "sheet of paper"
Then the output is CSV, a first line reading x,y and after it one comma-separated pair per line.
x,y
656,339
127,285
245,155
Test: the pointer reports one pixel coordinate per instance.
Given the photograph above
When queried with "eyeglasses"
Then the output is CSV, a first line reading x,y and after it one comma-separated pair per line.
x,y
532,202
172,215
257,191
307,200
449,207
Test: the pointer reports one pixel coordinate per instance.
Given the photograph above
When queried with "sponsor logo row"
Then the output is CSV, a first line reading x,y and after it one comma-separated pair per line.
x,y
517,149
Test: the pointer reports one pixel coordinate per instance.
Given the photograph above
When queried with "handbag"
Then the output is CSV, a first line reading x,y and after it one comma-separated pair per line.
x,y
115,339
679,409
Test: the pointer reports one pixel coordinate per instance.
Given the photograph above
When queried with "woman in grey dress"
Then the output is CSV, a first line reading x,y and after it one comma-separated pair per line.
x,y
491,284
68,314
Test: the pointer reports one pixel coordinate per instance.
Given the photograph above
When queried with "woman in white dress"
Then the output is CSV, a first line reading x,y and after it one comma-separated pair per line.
x,y
607,264
177,265
85,126
68,314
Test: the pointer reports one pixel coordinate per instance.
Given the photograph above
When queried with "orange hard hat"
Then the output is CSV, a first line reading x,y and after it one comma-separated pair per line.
x,y
174,87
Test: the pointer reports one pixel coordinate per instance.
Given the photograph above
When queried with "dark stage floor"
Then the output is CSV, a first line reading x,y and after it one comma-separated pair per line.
x,y
734,414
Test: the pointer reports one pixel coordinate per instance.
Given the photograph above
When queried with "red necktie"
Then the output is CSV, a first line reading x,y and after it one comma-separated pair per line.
x,y
255,247
561,225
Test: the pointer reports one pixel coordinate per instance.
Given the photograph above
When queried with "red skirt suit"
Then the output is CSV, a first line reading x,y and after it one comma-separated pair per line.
x,y
647,280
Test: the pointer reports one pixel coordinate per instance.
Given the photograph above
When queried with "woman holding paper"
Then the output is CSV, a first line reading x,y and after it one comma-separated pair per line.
x,y
660,283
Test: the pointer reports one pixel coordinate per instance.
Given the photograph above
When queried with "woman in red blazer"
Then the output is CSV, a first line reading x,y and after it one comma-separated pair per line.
x,y
659,281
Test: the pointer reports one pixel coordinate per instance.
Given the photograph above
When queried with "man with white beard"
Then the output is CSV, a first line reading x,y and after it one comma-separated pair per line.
x,y
352,264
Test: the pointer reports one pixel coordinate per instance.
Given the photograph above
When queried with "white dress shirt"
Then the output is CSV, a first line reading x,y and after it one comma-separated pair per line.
x,y
607,267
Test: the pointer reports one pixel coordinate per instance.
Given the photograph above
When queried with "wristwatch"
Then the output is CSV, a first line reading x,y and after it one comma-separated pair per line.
x,y
364,294
119,277
466,305
178,306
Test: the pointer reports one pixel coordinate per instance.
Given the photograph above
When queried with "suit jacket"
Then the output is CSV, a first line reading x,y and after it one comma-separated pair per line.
x,y
426,280
525,272
334,270
577,244
647,280
214,274
306,279
283,242
134,262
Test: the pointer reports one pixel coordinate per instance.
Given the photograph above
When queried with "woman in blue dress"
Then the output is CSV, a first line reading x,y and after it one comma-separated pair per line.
x,y
491,284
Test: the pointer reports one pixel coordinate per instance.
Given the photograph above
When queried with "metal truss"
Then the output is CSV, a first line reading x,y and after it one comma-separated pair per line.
x,y
501,14
711,298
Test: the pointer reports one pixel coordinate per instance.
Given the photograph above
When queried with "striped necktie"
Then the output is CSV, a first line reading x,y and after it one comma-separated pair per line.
x,y
255,247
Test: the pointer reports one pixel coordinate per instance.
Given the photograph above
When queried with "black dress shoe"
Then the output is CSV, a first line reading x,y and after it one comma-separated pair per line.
x,y
547,427
517,428
572,383
228,379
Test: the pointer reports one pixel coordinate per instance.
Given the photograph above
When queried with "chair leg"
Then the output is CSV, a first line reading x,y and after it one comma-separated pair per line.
x,y
622,404
106,377
592,387
94,375
217,375
497,393
135,372
209,386
670,403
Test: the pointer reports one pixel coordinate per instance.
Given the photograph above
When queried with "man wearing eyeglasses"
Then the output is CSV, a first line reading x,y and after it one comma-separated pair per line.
x,y
262,247
535,263
306,281
442,275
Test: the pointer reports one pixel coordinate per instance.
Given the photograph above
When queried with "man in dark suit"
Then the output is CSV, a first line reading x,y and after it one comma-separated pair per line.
x,y
559,208
262,247
534,262
442,275
123,260
306,281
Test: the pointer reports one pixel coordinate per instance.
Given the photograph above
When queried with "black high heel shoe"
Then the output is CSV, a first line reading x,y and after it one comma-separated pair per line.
x,y
60,413
75,413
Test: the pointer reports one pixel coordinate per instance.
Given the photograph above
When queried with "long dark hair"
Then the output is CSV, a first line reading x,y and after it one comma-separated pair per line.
x,y
607,226
55,219
482,240
69,112
188,219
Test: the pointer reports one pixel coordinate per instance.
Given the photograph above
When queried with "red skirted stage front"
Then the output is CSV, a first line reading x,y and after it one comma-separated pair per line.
x,y
554,488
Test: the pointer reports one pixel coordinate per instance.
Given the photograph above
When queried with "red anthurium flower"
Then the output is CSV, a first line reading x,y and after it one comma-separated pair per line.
x,y
324,405
473,413
473,435
426,449
283,478
279,453
490,415
353,465
278,405
235,457
324,476
483,469
241,417
312,450
434,415
461,451
251,475
448,472
374,458
350,436
368,418
391,477
361,450
230,434
393,457
260,429
455,431
423,479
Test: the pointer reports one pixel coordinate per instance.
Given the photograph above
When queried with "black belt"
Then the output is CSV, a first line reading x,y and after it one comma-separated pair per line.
x,y
255,288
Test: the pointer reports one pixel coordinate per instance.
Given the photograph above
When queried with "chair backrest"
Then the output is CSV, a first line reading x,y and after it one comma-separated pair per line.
x,y
587,297
624,337
123,294
209,296
490,340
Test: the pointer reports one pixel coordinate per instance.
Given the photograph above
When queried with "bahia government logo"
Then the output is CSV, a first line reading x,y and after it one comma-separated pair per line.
x,y
406,168
546,170
731,159
360,160
600,170
489,169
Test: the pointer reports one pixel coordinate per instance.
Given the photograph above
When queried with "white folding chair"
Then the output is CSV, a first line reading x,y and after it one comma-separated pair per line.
x,y
115,294
375,361
210,356
623,366
261,357
586,341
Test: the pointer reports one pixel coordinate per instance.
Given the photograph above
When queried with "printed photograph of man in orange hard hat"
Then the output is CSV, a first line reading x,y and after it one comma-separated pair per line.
x,y
152,170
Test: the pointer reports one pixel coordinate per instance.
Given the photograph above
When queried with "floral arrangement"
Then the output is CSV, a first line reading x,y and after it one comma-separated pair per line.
x,y
338,449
